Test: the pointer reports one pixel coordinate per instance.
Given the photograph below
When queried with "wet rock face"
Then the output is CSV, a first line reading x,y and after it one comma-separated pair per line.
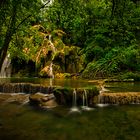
x,y
42,95
14,98
24,88
43,100
120,98
64,96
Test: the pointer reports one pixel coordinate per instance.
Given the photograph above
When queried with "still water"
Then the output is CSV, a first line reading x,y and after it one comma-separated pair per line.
x,y
123,86
47,82
114,122
109,123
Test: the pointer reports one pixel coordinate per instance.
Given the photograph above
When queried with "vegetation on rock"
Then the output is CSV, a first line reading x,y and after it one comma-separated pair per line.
x,y
93,38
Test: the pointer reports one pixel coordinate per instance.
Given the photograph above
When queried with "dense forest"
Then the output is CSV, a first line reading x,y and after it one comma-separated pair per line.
x,y
90,38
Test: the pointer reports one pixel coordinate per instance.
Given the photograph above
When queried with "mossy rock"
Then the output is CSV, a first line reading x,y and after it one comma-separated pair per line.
x,y
64,96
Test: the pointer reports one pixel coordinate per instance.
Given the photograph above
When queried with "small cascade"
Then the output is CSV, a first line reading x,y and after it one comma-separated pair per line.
x,y
51,71
51,44
74,103
51,75
120,98
24,88
106,98
85,102
6,67
101,102
51,65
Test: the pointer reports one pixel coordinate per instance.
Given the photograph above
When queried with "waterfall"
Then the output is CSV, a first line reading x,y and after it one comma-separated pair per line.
x,y
85,102
51,65
119,98
101,102
24,88
51,71
6,67
74,98
74,107
51,75
51,44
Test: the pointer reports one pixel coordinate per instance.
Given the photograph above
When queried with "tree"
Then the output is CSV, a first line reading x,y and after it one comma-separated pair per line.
x,y
13,14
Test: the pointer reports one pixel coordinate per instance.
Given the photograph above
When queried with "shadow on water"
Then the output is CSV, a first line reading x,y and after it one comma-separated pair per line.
x,y
26,122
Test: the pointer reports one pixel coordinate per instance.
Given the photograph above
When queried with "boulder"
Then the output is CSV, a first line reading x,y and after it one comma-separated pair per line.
x,y
43,100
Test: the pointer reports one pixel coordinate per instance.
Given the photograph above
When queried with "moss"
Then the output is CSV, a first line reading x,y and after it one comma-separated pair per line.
x,y
131,75
64,96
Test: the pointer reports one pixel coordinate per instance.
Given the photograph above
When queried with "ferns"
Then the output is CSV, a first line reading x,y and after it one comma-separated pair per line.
x,y
115,61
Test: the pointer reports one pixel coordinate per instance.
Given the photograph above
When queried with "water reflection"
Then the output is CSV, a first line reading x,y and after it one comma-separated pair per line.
x,y
46,82
123,86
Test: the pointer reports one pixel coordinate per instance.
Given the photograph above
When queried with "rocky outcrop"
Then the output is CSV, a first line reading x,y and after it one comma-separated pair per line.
x,y
43,100
14,98
120,98
24,88
64,96
42,95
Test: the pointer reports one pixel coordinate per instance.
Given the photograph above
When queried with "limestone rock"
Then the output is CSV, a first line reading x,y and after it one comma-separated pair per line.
x,y
43,100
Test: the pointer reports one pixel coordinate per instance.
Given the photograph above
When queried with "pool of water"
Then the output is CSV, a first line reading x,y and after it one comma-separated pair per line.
x,y
47,82
109,123
123,86
113,122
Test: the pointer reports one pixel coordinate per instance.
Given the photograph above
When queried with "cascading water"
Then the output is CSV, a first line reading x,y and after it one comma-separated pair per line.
x,y
6,67
51,65
74,103
85,102
51,74
100,97
51,44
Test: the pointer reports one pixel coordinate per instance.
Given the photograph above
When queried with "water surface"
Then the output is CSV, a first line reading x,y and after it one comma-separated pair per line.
x,y
123,86
109,123
47,82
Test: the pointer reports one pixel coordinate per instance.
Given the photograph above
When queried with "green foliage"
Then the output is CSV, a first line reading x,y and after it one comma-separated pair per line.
x,y
115,61
131,75
108,33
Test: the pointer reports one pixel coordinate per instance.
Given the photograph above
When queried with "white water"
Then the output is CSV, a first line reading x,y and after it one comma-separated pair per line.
x,y
100,99
51,71
6,67
74,103
51,44
85,102
51,65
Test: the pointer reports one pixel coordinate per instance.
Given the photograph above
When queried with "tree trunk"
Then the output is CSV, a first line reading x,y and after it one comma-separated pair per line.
x,y
9,33
5,48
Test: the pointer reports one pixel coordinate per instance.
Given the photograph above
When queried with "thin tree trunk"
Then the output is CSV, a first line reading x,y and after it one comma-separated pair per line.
x,y
8,36
5,48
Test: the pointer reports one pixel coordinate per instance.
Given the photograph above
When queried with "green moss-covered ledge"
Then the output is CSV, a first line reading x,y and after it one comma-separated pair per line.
x,y
64,96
